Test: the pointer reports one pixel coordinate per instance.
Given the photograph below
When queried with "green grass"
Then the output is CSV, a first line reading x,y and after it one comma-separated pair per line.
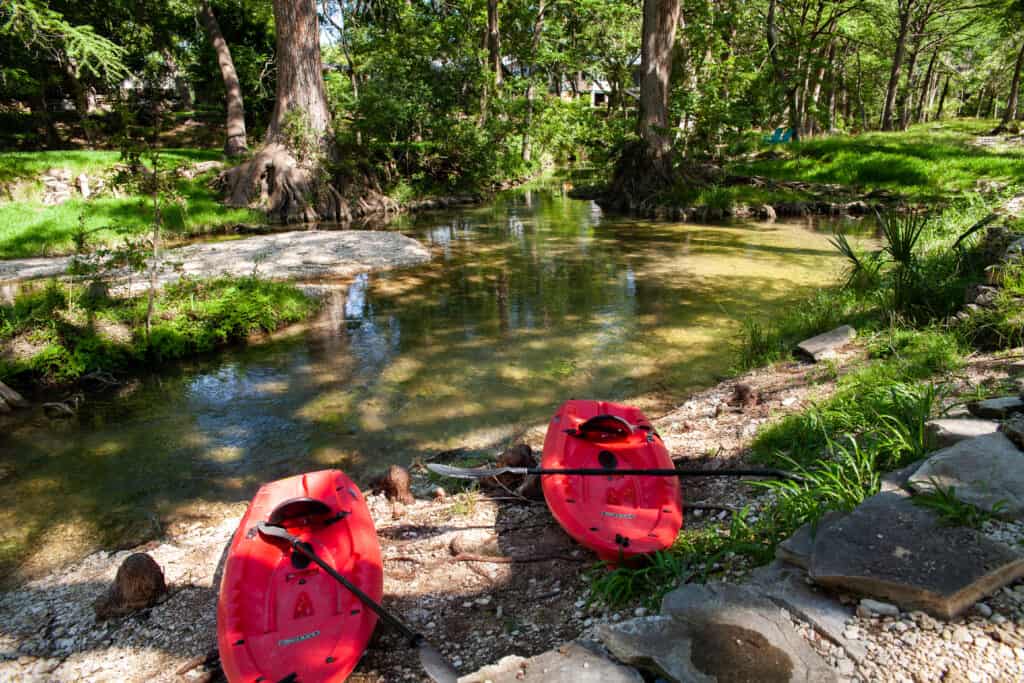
x,y
28,228
951,510
927,163
70,334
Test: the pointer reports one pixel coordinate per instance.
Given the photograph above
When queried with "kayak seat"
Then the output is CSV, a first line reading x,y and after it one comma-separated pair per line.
x,y
604,428
298,511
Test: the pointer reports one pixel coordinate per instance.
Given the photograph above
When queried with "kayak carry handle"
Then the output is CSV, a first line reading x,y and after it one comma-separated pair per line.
x,y
606,425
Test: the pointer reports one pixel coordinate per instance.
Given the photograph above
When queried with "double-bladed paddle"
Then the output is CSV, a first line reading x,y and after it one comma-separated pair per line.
x,y
434,663
484,472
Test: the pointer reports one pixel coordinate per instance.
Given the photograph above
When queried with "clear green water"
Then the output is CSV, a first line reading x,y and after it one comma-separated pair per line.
x,y
530,300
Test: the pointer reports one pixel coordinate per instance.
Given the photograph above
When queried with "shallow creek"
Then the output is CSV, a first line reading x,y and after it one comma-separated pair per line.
x,y
529,300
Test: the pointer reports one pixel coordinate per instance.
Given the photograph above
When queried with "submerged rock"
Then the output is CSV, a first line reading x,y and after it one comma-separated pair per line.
x,y
987,471
11,398
890,549
574,662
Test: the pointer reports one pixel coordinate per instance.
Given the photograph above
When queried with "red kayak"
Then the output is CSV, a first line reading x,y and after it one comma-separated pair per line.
x,y
279,616
616,516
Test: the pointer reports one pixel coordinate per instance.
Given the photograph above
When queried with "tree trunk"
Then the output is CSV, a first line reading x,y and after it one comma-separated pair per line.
x,y
903,107
1012,103
538,29
80,96
300,81
919,114
942,98
645,168
897,65
236,142
660,19
784,79
288,177
494,42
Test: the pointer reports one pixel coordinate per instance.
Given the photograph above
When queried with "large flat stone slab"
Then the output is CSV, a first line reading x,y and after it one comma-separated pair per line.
x,y
997,408
293,255
1014,430
717,632
890,549
987,471
574,662
787,586
946,432
826,345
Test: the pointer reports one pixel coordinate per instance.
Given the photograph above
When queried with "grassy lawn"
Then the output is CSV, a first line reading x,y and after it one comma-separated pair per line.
x,y
28,228
929,162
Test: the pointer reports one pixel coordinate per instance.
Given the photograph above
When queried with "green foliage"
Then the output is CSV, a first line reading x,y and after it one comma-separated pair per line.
x,y
38,26
951,510
70,335
659,573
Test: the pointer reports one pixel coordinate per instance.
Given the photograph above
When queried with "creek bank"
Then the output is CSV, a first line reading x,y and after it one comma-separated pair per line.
x,y
796,199
532,596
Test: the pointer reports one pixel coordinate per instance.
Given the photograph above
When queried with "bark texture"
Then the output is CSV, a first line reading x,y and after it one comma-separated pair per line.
x,y
236,142
1012,102
288,178
897,64
494,41
300,81
660,19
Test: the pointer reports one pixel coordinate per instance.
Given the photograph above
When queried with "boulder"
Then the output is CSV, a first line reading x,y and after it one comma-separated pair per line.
x,y
899,480
987,471
12,397
797,549
946,432
788,587
890,549
825,345
4,408
1014,430
716,632
574,662
997,408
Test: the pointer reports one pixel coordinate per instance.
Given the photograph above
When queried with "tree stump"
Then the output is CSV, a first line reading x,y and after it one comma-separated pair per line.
x,y
139,584
395,485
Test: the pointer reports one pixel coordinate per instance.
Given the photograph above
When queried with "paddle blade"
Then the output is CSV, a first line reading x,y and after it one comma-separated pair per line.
x,y
276,532
474,472
436,666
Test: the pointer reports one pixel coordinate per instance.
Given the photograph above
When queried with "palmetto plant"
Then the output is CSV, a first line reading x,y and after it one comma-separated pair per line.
x,y
902,231
865,267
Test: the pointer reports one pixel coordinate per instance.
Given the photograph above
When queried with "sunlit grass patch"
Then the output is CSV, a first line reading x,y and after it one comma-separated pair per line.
x,y
926,162
72,334
29,228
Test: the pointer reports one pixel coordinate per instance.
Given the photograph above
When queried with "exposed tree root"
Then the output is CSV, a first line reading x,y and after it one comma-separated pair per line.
x,y
290,191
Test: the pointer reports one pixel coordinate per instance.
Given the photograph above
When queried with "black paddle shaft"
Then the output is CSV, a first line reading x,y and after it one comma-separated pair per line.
x,y
303,548
601,471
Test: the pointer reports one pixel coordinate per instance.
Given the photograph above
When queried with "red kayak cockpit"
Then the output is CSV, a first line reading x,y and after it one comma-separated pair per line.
x,y
617,516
